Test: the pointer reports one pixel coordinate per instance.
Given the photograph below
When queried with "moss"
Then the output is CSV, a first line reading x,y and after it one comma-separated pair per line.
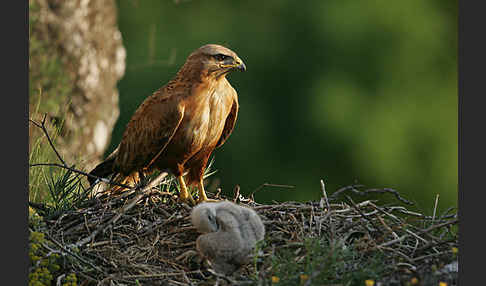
x,y
40,276
71,280
44,265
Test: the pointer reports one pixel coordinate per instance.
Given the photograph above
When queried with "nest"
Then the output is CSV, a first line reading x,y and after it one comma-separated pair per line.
x,y
147,238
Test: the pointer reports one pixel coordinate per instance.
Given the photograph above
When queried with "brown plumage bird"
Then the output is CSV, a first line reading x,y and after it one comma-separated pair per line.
x,y
177,128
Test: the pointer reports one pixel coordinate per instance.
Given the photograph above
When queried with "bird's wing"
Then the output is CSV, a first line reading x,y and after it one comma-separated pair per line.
x,y
253,229
230,123
149,131
224,250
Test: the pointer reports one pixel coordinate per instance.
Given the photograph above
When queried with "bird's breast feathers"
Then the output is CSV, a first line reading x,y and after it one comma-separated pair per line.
x,y
206,119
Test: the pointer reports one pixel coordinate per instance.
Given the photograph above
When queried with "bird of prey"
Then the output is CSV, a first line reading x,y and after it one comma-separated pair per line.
x,y
230,233
177,128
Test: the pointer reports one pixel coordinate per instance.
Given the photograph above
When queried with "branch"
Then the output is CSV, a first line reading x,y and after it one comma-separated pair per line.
x,y
74,254
270,185
130,204
82,173
44,129
353,188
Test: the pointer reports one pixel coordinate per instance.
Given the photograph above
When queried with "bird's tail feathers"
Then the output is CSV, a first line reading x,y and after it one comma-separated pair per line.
x,y
105,170
102,170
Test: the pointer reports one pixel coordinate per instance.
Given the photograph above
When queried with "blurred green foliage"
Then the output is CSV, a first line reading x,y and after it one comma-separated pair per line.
x,y
340,90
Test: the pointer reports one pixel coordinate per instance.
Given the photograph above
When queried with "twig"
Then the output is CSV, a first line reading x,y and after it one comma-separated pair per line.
x,y
159,275
435,244
387,227
343,189
361,213
224,277
354,189
324,195
420,232
123,210
59,279
43,127
270,185
104,180
435,207
236,193
75,255
429,256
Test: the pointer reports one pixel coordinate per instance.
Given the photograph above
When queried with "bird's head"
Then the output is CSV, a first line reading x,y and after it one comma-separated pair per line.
x,y
216,60
203,217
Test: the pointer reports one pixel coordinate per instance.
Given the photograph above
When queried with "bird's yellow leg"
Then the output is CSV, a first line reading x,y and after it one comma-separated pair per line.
x,y
184,195
202,194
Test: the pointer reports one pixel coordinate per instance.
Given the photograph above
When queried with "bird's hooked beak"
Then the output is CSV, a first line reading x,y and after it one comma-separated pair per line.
x,y
234,64
240,65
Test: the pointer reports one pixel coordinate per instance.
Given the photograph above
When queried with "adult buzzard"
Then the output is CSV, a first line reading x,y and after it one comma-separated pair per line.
x,y
177,128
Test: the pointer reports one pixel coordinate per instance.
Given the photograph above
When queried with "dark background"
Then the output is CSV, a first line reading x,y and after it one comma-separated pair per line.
x,y
345,91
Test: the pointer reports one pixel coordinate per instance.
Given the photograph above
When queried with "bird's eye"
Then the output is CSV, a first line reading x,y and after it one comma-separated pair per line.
x,y
210,217
220,57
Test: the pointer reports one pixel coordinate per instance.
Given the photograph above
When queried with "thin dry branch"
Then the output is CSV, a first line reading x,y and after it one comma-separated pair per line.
x,y
42,126
354,189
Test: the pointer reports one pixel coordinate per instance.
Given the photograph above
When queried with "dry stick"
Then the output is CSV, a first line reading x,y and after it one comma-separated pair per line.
x,y
354,189
420,232
82,173
432,244
130,204
74,254
270,185
416,236
43,127
343,189
385,212
59,278
236,192
362,214
159,275
411,266
401,254
430,228
435,207
387,227
430,255
226,278
389,190
324,195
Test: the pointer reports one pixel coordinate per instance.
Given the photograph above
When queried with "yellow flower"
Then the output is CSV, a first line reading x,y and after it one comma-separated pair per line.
x,y
414,281
369,282
275,279
442,283
455,250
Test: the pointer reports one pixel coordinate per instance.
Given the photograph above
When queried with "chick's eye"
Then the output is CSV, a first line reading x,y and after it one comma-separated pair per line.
x,y
220,57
